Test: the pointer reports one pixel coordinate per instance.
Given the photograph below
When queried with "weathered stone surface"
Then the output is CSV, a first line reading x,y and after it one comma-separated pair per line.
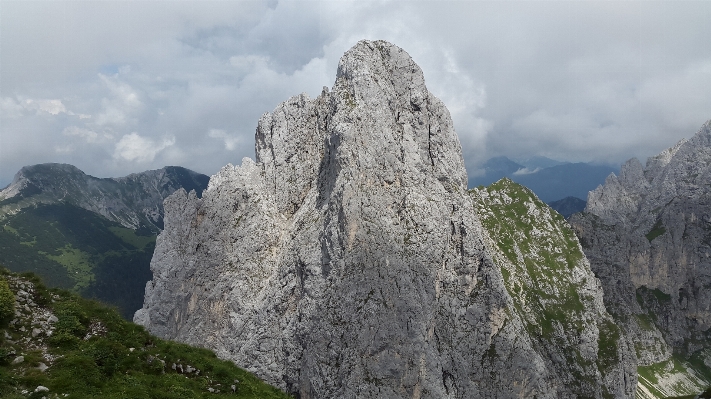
x,y
348,261
646,234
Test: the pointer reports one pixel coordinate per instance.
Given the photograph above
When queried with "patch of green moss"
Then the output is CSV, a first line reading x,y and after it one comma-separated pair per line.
x,y
644,292
78,264
10,229
349,99
608,342
645,322
7,302
657,230
694,367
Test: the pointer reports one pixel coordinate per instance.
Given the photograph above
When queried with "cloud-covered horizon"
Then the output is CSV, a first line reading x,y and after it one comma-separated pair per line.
x,y
121,87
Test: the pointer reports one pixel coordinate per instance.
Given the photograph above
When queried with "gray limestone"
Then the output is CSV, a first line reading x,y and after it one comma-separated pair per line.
x,y
646,234
348,260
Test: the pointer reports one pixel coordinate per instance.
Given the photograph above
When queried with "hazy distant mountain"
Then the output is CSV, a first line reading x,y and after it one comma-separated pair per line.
x,y
495,169
568,206
567,180
550,183
539,162
93,236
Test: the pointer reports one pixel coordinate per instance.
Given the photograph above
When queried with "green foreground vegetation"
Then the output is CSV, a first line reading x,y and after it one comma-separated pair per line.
x,y
92,352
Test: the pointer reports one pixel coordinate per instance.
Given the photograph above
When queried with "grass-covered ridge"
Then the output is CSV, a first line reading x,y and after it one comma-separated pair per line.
x,y
676,378
545,272
536,243
78,348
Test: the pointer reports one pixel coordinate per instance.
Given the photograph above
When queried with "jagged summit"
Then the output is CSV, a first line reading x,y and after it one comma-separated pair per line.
x,y
680,171
379,117
348,260
646,233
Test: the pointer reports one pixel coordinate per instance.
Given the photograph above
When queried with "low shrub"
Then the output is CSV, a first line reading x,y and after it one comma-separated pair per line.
x,y
7,302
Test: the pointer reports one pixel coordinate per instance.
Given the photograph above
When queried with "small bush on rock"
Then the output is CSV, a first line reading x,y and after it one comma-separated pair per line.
x,y
7,302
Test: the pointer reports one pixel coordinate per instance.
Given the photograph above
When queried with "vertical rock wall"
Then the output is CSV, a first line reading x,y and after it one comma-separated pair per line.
x,y
348,260
646,233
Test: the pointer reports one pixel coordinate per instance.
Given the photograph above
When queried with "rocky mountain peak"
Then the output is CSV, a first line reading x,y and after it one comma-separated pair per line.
x,y
30,179
646,235
379,118
679,171
349,261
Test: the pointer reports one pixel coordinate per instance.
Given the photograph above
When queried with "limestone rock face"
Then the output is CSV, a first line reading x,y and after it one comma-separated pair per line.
x,y
348,261
646,234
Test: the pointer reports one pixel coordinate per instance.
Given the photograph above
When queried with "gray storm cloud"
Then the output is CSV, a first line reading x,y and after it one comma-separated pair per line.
x,y
120,87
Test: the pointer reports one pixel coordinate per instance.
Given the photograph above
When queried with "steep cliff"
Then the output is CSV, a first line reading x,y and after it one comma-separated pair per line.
x,y
646,233
349,260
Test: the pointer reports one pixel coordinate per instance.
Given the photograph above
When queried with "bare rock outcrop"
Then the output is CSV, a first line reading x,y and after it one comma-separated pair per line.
x,y
646,234
349,260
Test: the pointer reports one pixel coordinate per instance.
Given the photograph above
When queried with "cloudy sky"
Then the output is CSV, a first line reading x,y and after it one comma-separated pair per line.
x,y
122,87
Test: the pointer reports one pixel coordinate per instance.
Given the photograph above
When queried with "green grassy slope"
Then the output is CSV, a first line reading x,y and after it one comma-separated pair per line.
x,y
542,265
88,351
76,249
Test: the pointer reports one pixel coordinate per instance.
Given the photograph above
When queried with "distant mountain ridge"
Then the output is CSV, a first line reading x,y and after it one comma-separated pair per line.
x,y
539,162
90,235
568,206
551,180
134,201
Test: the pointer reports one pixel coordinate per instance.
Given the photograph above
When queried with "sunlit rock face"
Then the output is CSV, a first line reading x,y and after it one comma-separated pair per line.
x,y
349,260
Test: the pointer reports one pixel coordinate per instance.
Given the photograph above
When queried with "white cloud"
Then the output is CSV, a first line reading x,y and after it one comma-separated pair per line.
x,y
10,108
587,81
50,106
89,136
54,107
135,148
121,105
526,171
229,140
249,62
64,149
